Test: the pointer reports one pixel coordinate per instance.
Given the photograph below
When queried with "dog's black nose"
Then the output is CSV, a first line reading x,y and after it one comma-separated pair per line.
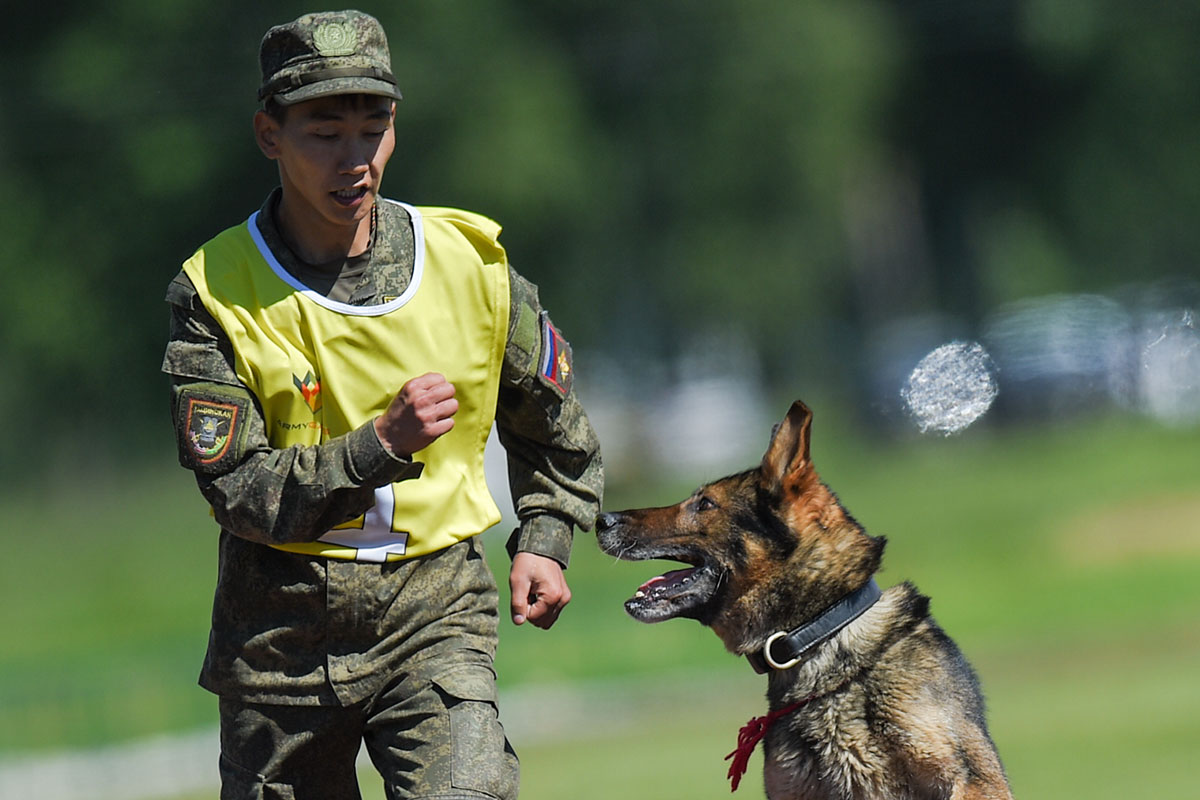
x,y
606,521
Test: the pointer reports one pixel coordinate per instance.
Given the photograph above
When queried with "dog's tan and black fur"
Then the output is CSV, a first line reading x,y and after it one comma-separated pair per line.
x,y
895,710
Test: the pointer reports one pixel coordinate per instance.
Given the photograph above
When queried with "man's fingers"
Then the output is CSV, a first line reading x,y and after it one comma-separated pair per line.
x,y
435,404
544,607
543,614
427,381
539,591
427,391
521,598
421,411
434,417
441,426
540,609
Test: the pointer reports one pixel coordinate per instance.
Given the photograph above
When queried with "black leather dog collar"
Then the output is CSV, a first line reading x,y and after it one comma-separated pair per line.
x,y
784,648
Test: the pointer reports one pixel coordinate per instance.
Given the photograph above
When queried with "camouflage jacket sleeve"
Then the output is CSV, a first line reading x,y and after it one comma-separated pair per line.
x,y
257,492
554,467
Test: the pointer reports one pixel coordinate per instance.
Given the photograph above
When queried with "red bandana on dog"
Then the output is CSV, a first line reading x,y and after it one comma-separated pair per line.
x,y
754,730
749,736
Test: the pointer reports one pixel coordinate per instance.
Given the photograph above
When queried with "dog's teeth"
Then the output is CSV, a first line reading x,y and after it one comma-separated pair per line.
x,y
640,593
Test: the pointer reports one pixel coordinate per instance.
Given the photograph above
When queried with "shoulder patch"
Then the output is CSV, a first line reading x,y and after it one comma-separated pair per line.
x,y
525,333
554,366
211,426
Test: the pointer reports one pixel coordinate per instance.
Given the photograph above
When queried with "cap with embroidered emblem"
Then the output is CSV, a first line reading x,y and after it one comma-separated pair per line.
x,y
326,53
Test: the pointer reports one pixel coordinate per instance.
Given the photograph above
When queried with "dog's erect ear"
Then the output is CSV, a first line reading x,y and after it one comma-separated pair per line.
x,y
786,458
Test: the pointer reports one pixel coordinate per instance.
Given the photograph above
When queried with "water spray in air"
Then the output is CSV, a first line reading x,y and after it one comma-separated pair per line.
x,y
950,388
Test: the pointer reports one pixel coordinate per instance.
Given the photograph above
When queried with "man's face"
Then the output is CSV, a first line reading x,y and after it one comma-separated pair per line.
x,y
331,153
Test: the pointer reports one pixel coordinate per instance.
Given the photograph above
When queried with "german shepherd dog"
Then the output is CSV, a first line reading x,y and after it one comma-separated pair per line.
x,y
869,698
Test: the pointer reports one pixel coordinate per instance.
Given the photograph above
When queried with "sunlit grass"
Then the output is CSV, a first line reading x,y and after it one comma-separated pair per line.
x,y
1065,562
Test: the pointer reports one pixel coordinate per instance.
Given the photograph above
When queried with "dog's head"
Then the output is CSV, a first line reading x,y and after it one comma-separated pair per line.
x,y
767,548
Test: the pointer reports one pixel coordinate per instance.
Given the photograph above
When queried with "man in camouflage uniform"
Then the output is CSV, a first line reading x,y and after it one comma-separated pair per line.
x,y
345,610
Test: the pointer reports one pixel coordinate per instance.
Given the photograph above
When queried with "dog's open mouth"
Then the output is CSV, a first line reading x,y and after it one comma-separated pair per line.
x,y
684,592
681,592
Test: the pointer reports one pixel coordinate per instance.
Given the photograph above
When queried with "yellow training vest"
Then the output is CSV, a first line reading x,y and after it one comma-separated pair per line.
x,y
321,368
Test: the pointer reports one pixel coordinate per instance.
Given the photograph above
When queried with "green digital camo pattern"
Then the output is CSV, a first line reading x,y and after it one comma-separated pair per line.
x,y
291,629
296,494
442,718
330,52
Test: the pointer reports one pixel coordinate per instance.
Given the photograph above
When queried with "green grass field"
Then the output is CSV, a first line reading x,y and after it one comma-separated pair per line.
x,y
1065,561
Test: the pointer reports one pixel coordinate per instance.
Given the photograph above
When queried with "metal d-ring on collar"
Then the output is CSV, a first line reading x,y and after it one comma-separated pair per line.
x,y
783,649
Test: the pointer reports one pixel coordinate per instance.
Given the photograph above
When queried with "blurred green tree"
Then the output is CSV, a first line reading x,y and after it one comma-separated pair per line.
x,y
796,172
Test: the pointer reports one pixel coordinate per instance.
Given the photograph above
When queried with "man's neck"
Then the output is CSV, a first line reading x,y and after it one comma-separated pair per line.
x,y
315,241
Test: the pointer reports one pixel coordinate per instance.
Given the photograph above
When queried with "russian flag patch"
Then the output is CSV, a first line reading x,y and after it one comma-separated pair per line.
x,y
555,364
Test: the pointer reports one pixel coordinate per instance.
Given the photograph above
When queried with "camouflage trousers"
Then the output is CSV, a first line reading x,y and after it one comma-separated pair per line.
x,y
433,732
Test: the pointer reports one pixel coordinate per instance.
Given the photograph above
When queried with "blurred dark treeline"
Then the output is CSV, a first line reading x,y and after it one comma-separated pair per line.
x,y
798,172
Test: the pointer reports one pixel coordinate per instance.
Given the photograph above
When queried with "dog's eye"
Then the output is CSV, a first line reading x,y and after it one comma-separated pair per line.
x,y
705,504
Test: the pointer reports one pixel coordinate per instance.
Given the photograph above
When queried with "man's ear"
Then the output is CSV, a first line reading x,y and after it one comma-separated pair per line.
x,y
266,134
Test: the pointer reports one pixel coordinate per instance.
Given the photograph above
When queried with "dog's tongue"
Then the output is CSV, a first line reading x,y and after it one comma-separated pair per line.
x,y
675,576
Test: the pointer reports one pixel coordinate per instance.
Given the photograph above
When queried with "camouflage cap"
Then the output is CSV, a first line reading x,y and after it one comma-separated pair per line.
x,y
331,52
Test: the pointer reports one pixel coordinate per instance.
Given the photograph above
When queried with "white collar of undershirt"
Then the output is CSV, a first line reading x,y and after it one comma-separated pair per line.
x,y
346,308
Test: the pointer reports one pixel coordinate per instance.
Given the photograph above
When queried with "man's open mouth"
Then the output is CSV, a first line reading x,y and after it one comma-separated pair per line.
x,y
349,196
